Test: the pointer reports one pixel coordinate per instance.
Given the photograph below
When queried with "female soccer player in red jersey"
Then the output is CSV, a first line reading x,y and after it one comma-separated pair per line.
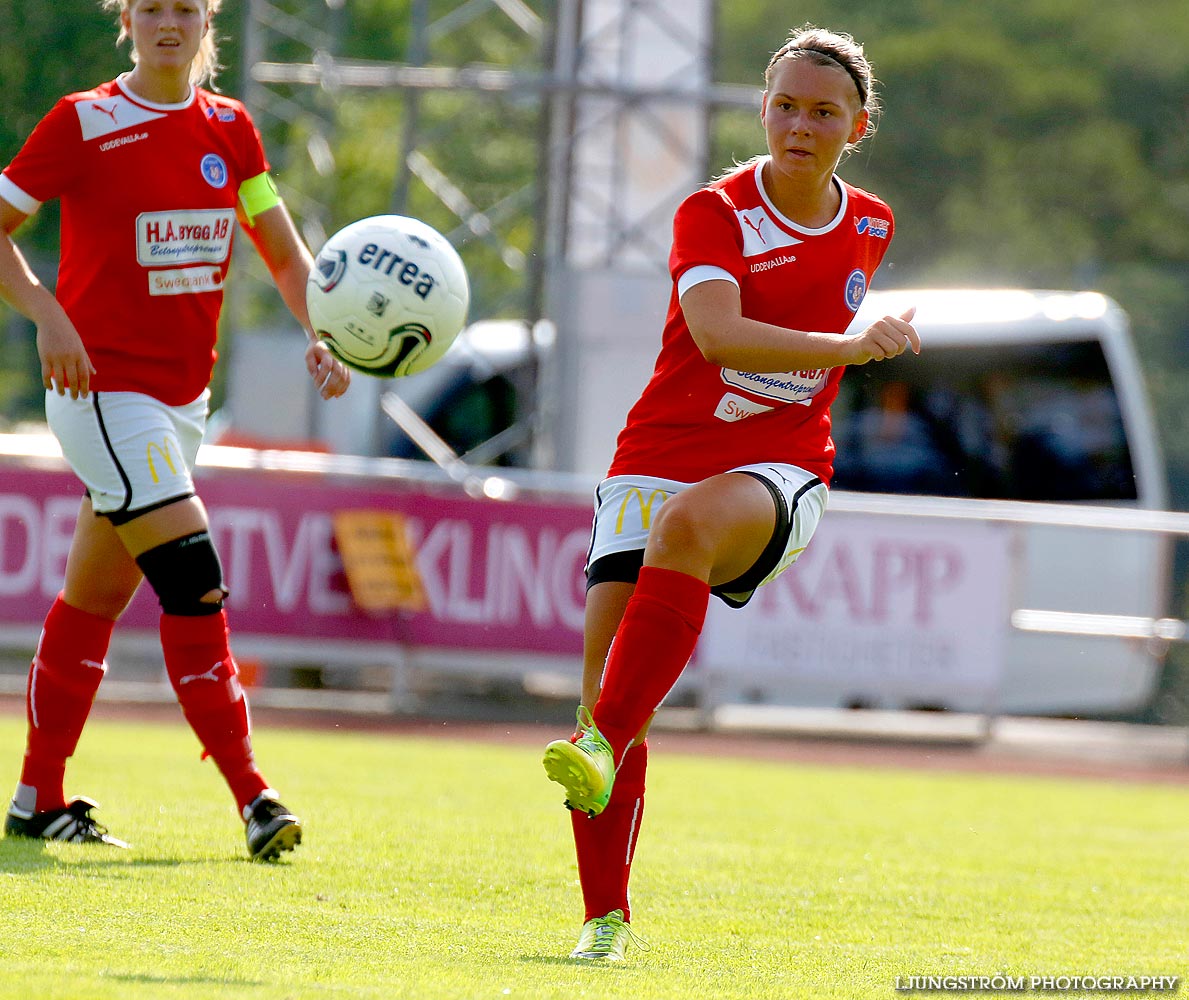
x,y
720,475
152,173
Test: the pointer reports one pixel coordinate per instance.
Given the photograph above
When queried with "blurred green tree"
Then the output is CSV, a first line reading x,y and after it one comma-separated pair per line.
x,y
1023,142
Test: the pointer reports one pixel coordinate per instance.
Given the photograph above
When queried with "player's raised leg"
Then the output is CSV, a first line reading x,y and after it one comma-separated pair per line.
x,y
711,533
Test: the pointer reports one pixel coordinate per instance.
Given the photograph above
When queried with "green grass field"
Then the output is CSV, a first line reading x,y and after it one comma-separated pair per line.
x,y
438,869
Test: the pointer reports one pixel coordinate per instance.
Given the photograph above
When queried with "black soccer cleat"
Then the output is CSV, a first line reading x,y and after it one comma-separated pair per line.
x,y
72,823
271,827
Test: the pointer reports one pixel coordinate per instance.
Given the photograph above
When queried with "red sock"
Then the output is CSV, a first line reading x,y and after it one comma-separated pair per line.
x,y
63,679
654,642
605,844
204,675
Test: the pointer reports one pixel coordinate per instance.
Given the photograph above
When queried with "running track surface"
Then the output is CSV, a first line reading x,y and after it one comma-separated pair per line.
x,y
862,753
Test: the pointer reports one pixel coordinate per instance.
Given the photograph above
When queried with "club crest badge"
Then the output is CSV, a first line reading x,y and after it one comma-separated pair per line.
x,y
214,170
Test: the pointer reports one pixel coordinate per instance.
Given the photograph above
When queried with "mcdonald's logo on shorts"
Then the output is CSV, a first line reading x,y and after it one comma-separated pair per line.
x,y
165,452
644,505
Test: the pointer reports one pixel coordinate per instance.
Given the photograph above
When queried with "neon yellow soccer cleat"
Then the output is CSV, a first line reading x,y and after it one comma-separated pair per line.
x,y
585,768
606,938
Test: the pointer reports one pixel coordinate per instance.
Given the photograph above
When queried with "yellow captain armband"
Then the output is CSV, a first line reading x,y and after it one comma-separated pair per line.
x,y
257,195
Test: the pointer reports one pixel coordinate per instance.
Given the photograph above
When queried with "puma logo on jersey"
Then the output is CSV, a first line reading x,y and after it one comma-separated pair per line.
x,y
101,117
760,234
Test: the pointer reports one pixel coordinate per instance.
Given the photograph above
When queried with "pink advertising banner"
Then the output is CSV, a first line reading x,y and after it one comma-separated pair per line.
x,y
498,575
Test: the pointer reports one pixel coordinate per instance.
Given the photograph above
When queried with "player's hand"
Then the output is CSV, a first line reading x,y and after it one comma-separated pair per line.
x,y
65,365
330,375
886,338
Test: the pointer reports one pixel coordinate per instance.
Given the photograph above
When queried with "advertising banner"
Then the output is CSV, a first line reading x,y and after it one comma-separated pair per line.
x,y
878,611
496,575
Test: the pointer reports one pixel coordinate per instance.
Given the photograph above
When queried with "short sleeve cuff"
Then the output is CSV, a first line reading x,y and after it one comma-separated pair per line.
x,y
703,272
17,198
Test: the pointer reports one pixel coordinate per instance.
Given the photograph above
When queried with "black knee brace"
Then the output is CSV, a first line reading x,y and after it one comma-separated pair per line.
x,y
182,572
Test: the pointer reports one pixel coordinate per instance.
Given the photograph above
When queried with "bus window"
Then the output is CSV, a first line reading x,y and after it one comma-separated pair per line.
x,y
465,416
1009,421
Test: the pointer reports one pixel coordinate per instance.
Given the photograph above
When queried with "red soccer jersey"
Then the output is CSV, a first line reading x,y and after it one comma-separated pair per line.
x,y
695,419
148,195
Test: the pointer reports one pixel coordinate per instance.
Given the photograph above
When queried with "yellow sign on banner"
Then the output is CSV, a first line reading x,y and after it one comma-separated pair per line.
x,y
379,559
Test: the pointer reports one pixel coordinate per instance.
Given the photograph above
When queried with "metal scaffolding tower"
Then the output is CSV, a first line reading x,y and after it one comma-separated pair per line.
x,y
611,101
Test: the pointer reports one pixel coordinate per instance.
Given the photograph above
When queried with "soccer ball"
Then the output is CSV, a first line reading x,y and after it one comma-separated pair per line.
x,y
388,295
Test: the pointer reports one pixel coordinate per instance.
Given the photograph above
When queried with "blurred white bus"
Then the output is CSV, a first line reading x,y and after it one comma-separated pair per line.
x,y
1018,396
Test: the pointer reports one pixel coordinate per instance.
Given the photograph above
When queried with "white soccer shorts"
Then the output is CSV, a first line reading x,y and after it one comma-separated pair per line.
x,y
132,452
625,507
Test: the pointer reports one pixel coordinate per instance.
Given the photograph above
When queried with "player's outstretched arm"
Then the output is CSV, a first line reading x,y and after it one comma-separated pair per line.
x,y
713,313
289,261
887,338
65,365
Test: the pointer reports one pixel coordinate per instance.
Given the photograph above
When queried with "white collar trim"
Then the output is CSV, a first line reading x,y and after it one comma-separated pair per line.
x,y
784,220
122,83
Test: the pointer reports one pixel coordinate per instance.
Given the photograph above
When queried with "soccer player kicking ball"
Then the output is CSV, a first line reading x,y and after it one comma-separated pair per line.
x,y
720,475
152,173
